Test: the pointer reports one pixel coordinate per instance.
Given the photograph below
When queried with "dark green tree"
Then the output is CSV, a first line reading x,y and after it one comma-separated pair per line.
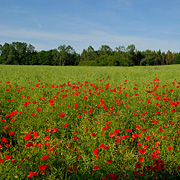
x,y
67,55
120,51
44,57
105,50
130,50
148,58
158,58
88,55
4,53
177,60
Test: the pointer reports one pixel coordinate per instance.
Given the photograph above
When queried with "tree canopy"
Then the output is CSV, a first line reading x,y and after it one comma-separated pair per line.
x,y
20,53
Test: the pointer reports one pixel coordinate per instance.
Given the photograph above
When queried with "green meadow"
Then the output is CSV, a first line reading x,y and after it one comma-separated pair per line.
x,y
78,122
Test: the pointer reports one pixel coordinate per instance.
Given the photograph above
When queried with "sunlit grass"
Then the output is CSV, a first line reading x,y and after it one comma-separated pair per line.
x,y
89,122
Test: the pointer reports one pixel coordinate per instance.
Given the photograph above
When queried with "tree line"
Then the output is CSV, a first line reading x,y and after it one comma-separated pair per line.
x,y
20,53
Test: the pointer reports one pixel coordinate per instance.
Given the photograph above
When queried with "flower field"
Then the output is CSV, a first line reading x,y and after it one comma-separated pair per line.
x,y
89,122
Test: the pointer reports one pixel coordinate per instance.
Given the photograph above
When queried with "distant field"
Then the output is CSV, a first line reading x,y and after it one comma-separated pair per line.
x,y
89,122
59,74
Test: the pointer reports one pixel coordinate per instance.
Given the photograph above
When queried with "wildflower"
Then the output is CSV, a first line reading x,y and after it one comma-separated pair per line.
x,y
1,160
35,134
11,133
29,144
66,125
142,151
38,109
113,176
111,134
4,140
31,174
45,157
140,159
96,168
108,161
138,165
75,168
27,137
7,157
170,147
116,132
69,168
6,128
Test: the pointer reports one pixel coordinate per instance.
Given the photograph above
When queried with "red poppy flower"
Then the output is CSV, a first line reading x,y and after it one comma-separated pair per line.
x,y
142,151
1,160
4,140
116,132
38,109
76,138
35,134
6,128
96,168
92,134
108,161
27,137
103,146
29,144
75,168
45,157
148,137
140,159
128,130
138,165
7,157
11,133
144,130
113,176
111,134
40,144
42,168
145,147
138,126
78,157
69,168
170,147
95,151
31,174
66,125
7,145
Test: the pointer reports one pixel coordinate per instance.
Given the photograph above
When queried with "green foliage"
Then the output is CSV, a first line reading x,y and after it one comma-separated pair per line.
x,y
177,60
125,62
88,55
149,58
19,53
87,63
104,50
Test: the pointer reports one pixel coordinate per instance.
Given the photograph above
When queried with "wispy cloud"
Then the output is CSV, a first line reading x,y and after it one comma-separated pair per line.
x,y
120,4
80,41
16,10
39,25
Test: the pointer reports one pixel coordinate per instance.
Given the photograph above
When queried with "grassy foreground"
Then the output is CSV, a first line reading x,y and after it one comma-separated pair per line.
x,y
89,122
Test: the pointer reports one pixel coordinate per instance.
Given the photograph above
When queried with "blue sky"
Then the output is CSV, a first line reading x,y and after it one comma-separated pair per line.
x,y
46,24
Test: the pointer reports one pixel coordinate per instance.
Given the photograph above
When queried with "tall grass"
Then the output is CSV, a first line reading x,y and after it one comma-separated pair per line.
x,y
89,122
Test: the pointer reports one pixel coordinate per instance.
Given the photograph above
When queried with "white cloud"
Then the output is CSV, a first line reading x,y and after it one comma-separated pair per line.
x,y
49,40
